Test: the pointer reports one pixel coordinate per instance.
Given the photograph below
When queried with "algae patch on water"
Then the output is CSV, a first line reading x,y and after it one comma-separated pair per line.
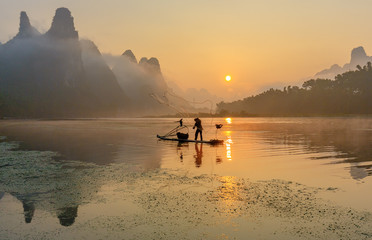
x,y
112,202
37,177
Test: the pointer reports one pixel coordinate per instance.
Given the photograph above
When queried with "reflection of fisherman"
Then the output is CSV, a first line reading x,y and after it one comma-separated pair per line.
x,y
199,129
199,155
179,148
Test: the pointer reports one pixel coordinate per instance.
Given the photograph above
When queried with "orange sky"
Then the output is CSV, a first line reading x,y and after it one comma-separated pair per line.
x,y
198,42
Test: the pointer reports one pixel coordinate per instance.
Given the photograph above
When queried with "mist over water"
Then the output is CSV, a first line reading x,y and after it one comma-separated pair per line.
x,y
63,172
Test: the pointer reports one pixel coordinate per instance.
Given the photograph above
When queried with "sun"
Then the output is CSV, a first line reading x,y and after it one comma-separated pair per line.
x,y
228,78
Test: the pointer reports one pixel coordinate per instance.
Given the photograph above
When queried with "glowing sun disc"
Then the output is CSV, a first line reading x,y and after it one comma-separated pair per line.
x,y
228,78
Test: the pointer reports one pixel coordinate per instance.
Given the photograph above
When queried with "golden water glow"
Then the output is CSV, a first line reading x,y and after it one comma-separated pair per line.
x,y
229,192
228,120
228,148
228,78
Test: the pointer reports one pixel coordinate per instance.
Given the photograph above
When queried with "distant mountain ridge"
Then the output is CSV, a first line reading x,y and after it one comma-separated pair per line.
x,y
43,75
358,57
25,28
145,85
63,25
56,74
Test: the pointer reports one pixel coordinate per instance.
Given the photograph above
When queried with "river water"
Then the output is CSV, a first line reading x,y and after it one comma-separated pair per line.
x,y
273,178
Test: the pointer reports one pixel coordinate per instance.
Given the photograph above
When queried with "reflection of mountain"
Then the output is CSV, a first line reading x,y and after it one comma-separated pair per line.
x,y
60,165
358,57
30,202
39,182
28,208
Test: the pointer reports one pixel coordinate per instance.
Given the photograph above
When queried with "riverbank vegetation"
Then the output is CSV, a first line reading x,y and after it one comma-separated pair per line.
x,y
349,93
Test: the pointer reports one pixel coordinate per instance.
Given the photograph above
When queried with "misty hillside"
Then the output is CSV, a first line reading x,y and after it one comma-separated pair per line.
x,y
144,84
358,57
348,93
56,74
43,75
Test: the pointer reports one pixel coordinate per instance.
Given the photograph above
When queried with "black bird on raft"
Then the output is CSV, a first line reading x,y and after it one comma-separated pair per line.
x,y
218,126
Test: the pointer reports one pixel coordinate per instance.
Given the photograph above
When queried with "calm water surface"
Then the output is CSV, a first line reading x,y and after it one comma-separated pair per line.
x,y
322,152
71,172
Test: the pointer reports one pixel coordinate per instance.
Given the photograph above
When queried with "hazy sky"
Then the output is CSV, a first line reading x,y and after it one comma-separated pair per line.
x,y
198,42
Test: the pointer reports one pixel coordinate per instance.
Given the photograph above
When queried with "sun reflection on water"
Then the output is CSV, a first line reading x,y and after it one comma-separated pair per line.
x,y
229,193
229,141
228,148
229,190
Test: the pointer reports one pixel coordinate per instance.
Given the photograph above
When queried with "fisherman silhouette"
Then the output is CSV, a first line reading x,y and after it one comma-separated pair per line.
x,y
199,129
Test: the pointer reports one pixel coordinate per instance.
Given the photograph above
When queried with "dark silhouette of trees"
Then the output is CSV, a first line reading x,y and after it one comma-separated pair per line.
x,y
348,93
